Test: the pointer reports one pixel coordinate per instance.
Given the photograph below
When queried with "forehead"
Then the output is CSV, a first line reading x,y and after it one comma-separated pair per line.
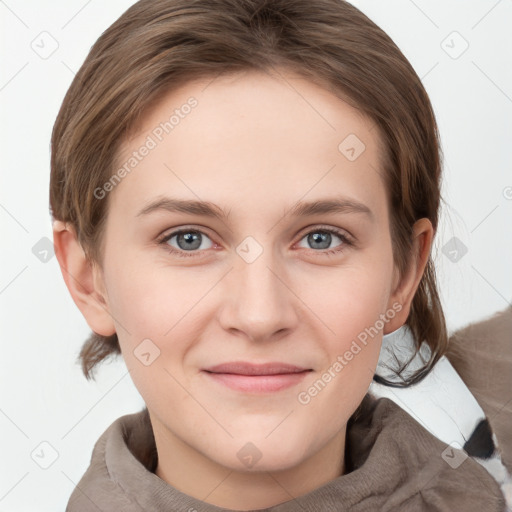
x,y
268,137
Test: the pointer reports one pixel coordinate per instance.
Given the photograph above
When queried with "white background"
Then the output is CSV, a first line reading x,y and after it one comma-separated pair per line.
x,y
44,396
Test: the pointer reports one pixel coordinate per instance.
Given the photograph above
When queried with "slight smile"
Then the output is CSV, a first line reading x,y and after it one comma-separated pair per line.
x,y
257,378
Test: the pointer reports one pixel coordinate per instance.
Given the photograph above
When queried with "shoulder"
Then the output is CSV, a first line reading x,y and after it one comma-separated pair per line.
x,y
420,471
102,485
409,468
481,353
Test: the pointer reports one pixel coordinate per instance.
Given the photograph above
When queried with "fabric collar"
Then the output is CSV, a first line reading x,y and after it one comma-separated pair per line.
x,y
442,404
389,459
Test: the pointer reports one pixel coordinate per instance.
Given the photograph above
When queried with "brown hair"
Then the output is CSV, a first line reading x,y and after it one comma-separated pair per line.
x,y
157,45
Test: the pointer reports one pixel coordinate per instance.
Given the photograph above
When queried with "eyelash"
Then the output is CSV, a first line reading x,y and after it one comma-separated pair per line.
x,y
326,252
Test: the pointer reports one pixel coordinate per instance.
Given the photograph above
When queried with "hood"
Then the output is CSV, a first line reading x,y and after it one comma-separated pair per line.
x,y
393,464
442,403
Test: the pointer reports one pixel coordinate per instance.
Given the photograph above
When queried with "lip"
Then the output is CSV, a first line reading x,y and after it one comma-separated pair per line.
x,y
246,368
257,378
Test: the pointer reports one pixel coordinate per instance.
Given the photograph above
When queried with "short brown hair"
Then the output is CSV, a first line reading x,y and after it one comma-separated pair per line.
x,y
157,45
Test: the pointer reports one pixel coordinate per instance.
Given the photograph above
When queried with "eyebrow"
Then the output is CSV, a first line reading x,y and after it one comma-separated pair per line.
x,y
300,209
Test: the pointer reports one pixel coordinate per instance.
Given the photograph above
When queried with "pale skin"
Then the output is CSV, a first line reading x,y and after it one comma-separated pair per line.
x,y
254,146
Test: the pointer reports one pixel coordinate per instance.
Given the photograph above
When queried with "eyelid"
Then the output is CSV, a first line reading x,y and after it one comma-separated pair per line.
x,y
163,239
330,229
304,231
170,232
347,238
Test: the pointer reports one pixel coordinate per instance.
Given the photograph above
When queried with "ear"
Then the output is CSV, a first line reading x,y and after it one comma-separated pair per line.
x,y
83,279
404,290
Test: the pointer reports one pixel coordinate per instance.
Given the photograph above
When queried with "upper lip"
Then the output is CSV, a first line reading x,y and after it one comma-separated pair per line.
x,y
244,368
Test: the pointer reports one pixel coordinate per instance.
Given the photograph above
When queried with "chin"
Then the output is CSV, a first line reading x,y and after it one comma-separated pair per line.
x,y
261,454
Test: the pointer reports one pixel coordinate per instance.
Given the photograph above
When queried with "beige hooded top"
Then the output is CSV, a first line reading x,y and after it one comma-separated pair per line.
x,y
393,464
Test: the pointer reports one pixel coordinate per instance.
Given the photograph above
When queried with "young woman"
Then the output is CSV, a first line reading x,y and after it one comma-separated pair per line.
x,y
245,195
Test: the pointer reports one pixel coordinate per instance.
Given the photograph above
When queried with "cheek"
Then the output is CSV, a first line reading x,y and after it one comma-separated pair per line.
x,y
157,312
352,299
352,352
149,300
150,311
353,307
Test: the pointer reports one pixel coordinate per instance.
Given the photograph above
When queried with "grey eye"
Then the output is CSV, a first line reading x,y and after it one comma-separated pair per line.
x,y
320,239
189,240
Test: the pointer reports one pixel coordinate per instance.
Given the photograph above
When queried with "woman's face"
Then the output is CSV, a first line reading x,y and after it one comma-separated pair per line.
x,y
284,256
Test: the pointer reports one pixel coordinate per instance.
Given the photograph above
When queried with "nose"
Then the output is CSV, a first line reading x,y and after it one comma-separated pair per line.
x,y
258,300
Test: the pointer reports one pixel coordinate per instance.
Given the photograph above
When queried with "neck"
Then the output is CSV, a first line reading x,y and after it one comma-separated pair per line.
x,y
192,473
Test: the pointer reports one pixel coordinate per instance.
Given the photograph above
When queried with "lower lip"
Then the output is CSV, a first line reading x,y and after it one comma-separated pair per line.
x,y
258,383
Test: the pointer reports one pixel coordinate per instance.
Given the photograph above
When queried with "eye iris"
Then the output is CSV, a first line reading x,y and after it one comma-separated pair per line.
x,y
193,240
323,238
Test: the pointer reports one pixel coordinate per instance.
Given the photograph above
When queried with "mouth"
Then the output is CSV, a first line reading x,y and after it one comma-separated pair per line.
x,y
257,378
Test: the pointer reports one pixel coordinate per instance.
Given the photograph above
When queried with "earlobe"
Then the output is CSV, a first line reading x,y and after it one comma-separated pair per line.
x,y
83,279
404,292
